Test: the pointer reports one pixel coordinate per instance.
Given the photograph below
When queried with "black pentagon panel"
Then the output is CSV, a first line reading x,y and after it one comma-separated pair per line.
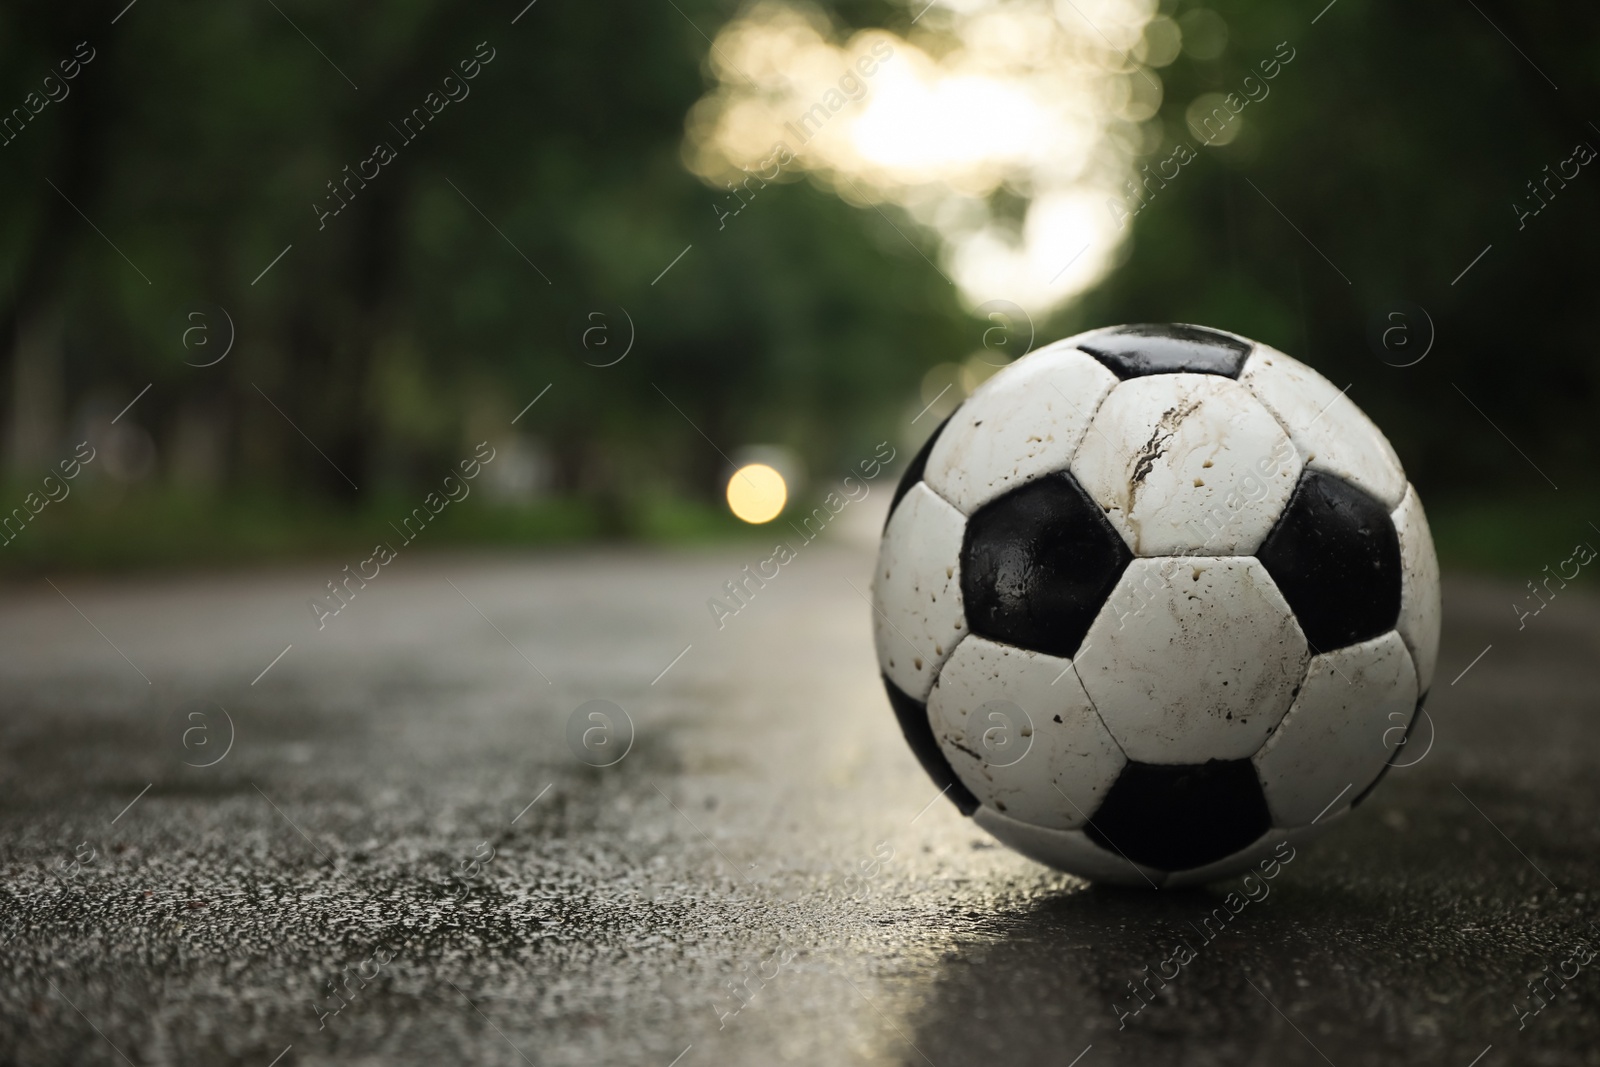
x,y
1037,564
1166,348
913,716
1178,816
918,464
1336,557
1405,739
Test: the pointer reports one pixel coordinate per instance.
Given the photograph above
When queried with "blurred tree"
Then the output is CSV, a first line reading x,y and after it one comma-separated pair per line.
x,y
1397,142
201,142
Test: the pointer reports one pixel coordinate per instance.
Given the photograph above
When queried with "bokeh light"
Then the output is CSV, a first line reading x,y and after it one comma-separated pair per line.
x,y
757,493
980,104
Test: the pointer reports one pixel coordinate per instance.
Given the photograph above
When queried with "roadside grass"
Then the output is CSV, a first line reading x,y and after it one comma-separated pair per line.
x,y
102,530
168,530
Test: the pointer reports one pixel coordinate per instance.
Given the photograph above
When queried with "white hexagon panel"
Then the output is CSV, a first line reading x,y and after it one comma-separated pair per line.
x,y
1419,587
1021,734
1017,426
1068,850
916,590
1260,862
1328,429
1187,463
1192,659
1342,728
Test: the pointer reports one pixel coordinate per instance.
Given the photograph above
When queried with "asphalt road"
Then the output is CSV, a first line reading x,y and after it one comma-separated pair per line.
x,y
401,859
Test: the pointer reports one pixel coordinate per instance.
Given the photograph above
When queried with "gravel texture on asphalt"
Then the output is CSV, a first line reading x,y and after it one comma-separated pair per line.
x,y
395,855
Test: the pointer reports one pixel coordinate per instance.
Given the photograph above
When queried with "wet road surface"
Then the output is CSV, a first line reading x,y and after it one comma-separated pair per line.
x,y
382,846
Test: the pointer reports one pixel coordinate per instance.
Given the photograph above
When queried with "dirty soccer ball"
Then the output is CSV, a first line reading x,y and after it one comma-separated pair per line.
x,y
1154,600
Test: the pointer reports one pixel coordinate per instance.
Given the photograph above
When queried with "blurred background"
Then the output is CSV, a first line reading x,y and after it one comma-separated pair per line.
x,y
284,265
280,280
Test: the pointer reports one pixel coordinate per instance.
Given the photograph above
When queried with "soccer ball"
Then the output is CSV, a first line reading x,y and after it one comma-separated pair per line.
x,y
1153,601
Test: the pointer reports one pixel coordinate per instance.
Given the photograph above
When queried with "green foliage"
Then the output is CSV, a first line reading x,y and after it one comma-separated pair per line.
x,y
408,323
415,321
1397,142
170,529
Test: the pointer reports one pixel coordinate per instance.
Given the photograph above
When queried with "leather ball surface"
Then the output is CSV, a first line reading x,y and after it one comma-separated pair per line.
x,y
1155,600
